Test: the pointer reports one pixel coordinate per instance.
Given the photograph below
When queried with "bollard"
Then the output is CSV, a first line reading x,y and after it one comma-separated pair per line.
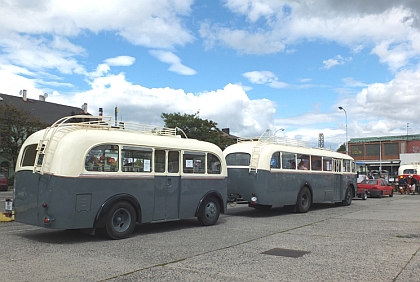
x,y
9,207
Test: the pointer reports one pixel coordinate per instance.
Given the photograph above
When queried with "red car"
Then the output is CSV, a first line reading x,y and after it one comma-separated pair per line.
x,y
375,188
3,182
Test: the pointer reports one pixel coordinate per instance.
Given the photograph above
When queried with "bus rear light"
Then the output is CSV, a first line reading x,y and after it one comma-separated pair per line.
x,y
48,220
44,205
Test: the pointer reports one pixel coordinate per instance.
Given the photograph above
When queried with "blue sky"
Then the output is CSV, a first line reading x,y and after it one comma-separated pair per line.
x,y
247,65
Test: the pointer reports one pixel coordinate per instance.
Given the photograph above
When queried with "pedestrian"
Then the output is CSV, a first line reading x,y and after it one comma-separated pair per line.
x,y
411,184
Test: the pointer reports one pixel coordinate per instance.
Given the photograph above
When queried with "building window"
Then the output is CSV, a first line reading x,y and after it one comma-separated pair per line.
x,y
356,150
391,149
372,149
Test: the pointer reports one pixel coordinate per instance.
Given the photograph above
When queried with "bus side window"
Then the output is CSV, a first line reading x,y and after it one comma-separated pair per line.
x,y
303,162
347,167
316,163
159,160
275,160
173,162
213,164
102,158
327,164
194,162
288,161
135,159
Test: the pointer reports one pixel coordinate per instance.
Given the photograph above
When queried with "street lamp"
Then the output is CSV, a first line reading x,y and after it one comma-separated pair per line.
x,y
380,156
347,149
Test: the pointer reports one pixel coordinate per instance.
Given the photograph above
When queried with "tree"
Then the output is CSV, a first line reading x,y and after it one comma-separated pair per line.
x,y
15,126
197,128
342,148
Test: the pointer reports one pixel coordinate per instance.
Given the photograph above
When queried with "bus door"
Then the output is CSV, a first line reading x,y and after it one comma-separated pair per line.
x,y
167,182
338,180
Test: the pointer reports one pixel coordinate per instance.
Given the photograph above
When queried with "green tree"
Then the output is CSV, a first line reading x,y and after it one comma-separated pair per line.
x,y
342,148
15,126
197,128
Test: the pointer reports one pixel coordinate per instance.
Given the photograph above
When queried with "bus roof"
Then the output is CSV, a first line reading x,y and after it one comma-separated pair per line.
x,y
68,144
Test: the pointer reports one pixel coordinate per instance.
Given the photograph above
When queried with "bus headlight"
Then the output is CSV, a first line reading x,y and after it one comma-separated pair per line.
x,y
253,199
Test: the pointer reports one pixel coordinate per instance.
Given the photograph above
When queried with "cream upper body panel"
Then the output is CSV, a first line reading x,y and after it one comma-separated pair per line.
x,y
68,147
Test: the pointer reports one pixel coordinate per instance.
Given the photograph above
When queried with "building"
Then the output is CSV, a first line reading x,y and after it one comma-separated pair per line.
x,y
46,112
374,154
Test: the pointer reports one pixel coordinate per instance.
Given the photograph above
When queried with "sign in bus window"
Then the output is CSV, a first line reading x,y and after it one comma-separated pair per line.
x,y
102,158
288,160
194,163
213,164
136,159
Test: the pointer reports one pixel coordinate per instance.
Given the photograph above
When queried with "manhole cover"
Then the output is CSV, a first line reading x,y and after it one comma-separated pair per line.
x,y
285,253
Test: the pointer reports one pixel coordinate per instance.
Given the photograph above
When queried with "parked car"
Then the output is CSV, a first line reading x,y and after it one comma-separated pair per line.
x,y
375,188
4,185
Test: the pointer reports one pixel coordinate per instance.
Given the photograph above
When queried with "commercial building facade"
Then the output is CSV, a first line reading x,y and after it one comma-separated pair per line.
x,y
382,153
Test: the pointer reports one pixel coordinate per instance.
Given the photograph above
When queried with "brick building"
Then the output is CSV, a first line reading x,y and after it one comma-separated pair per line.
x,y
375,153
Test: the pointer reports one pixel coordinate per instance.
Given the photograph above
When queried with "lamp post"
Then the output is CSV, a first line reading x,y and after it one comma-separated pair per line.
x,y
347,149
380,156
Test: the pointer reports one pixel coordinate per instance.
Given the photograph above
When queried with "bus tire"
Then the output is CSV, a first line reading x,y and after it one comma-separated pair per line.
x,y
120,221
347,197
209,211
304,200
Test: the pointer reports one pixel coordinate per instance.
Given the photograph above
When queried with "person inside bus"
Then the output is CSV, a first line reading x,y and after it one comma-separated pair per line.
x,y
302,166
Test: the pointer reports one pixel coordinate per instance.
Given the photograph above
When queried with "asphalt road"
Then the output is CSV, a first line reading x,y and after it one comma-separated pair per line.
x,y
372,240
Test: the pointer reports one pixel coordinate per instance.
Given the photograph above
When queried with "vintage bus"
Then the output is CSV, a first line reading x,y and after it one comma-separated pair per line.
x,y
89,173
272,171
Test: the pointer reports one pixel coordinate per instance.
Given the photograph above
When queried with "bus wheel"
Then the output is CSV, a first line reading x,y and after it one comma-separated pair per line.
x,y
304,200
347,197
209,211
121,221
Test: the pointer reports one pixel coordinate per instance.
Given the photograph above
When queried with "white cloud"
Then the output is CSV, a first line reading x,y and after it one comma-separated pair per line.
x,y
245,117
173,60
264,77
337,60
120,61
389,28
36,35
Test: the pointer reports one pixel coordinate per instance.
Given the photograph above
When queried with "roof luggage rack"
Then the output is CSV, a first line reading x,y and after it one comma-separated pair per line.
x,y
266,139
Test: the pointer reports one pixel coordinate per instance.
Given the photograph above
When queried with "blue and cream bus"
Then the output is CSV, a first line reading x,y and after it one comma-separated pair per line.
x,y
272,171
89,173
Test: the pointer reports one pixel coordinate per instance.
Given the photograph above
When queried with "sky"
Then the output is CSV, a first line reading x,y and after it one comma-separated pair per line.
x,y
246,65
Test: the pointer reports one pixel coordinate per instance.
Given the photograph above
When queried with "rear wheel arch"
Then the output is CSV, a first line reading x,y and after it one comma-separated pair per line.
x,y
215,194
101,216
